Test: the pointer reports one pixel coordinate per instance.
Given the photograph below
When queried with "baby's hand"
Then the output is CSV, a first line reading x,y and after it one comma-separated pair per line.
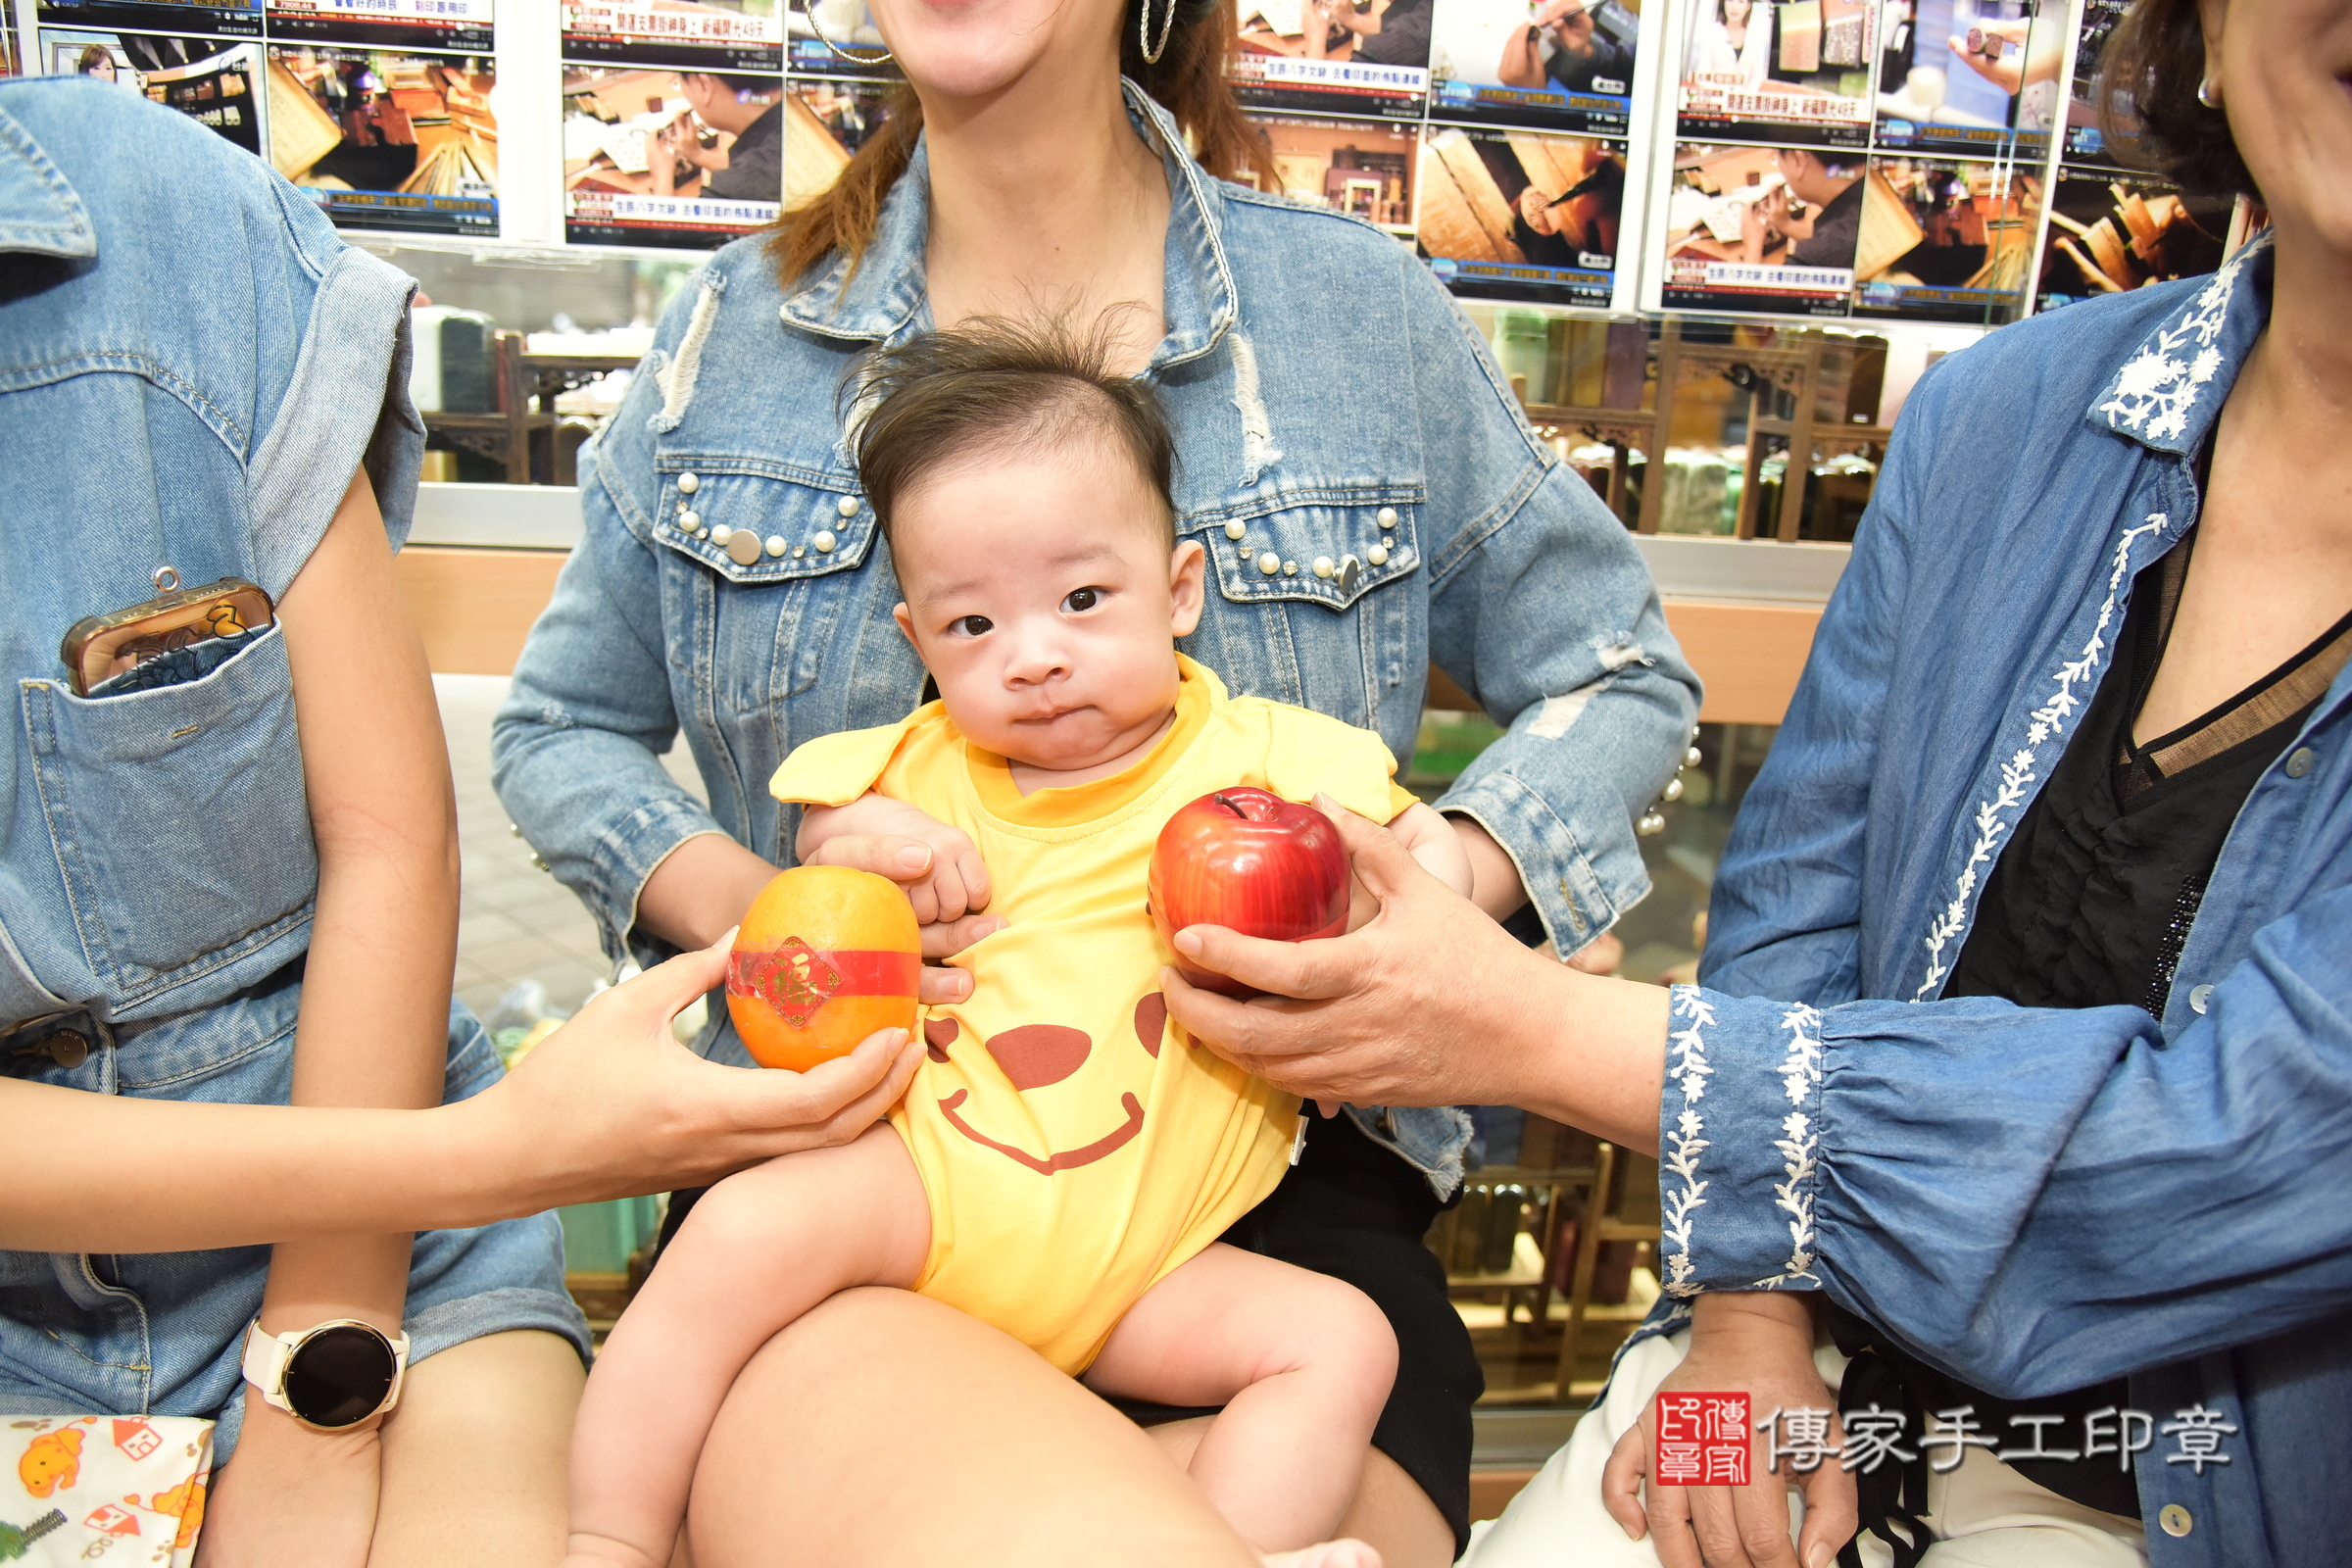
x,y
944,875
1433,845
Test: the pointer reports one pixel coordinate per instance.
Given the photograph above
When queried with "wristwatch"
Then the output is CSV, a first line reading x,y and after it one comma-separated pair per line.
x,y
330,1377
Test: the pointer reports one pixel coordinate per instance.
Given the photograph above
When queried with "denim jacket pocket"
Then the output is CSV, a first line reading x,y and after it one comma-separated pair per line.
x,y
1328,547
778,553
179,819
1300,614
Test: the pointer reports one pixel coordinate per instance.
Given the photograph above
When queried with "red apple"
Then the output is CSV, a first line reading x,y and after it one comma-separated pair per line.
x,y
1254,862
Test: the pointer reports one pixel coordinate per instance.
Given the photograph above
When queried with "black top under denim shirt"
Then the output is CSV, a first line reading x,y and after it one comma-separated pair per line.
x,y
2089,906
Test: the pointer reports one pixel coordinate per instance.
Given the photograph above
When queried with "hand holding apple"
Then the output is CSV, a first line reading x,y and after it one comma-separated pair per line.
x,y
1254,862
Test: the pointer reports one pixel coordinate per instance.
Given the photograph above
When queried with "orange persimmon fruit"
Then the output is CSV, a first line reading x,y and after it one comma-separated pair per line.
x,y
826,955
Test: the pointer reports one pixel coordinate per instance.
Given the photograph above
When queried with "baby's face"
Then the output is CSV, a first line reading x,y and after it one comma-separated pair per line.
x,y
1043,601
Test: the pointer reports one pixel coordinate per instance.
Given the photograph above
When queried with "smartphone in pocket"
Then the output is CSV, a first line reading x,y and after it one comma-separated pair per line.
x,y
158,634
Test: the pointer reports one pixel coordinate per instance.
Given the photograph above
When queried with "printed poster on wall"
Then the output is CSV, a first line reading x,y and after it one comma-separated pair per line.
x,y
1360,166
228,18
216,81
1823,231
2111,232
383,139
458,24
1337,56
825,122
1555,64
1521,214
670,158
1796,71
1970,76
1947,239
690,34
1762,229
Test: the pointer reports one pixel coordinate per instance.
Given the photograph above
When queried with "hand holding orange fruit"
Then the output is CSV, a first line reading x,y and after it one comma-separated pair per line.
x,y
826,956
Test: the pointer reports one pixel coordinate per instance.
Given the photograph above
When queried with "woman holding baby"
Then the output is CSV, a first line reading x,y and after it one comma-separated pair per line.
x,y
1357,509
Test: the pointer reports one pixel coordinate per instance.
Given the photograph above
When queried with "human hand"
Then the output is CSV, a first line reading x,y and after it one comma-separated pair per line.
x,y
1430,838
1759,1343
2012,68
1328,1027
290,1498
610,1106
938,865
1535,207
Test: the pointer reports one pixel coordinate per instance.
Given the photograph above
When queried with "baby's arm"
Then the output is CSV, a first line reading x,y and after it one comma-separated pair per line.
x,y
1431,842
958,880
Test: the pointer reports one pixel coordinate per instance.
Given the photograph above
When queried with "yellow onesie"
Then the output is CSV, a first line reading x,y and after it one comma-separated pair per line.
x,y
1074,1148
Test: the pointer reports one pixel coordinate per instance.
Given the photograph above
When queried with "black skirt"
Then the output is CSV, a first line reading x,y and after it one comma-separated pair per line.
x,y
1356,1213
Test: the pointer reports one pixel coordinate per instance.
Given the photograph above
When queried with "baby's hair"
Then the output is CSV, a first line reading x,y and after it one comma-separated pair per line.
x,y
995,384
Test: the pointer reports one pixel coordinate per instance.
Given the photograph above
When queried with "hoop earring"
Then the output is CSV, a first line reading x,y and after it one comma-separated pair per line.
x,y
2209,93
1143,32
818,27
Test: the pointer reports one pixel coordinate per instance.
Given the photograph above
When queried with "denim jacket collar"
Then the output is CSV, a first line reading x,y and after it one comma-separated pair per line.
x,y
39,213
2171,388
885,292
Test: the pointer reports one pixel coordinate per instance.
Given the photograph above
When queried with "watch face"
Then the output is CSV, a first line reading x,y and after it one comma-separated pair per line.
x,y
340,1376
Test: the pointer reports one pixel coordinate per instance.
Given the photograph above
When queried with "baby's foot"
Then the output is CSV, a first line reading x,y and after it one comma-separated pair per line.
x,y
1325,1554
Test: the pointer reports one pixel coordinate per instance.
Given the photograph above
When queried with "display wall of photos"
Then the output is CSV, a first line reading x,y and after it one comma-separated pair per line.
x,y
1863,159
2110,229
1849,160
379,110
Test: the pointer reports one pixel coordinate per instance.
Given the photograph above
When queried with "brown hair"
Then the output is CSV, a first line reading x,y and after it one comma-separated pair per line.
x,y
2148,108
994,382
1189,83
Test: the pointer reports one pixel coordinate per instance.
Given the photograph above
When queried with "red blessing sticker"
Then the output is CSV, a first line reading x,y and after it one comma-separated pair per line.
x,y
1702,1440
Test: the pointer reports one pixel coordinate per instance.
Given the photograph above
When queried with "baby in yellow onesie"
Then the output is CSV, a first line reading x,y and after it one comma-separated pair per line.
x,y
1064,1160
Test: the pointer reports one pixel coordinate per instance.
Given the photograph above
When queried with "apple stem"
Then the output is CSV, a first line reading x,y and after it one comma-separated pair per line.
x,y
1229,805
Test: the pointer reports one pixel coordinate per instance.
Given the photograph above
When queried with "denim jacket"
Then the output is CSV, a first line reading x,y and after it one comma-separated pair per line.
x,y
2037,1201
1368,493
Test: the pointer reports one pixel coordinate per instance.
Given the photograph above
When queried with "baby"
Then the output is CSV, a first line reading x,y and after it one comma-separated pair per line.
x,y
1064,1161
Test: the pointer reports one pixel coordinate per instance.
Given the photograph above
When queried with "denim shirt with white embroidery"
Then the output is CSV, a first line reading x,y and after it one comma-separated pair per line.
x,y
2037,1200
1369,496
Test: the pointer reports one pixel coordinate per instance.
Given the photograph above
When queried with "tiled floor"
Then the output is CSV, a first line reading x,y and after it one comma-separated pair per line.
x,y
514,921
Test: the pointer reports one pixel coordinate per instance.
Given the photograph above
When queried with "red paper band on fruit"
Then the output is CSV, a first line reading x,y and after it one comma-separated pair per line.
x,y
1249,860
827,956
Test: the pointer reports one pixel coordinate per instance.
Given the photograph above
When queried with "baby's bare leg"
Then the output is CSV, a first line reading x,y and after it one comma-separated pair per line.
x,y
1301,1363
760,1249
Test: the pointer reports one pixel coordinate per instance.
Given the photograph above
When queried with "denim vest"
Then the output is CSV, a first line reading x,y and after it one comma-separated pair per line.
x,y
2037,1200
1368,493
155,847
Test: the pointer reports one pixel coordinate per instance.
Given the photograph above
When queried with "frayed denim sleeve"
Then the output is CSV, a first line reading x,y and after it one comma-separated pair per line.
x,y
1542,608
577,750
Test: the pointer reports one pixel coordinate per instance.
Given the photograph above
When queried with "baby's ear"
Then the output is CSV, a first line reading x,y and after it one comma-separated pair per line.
x,y
1188,567
899,613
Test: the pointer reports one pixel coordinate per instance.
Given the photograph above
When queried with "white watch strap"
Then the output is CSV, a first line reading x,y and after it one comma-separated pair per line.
x,y
264,1366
